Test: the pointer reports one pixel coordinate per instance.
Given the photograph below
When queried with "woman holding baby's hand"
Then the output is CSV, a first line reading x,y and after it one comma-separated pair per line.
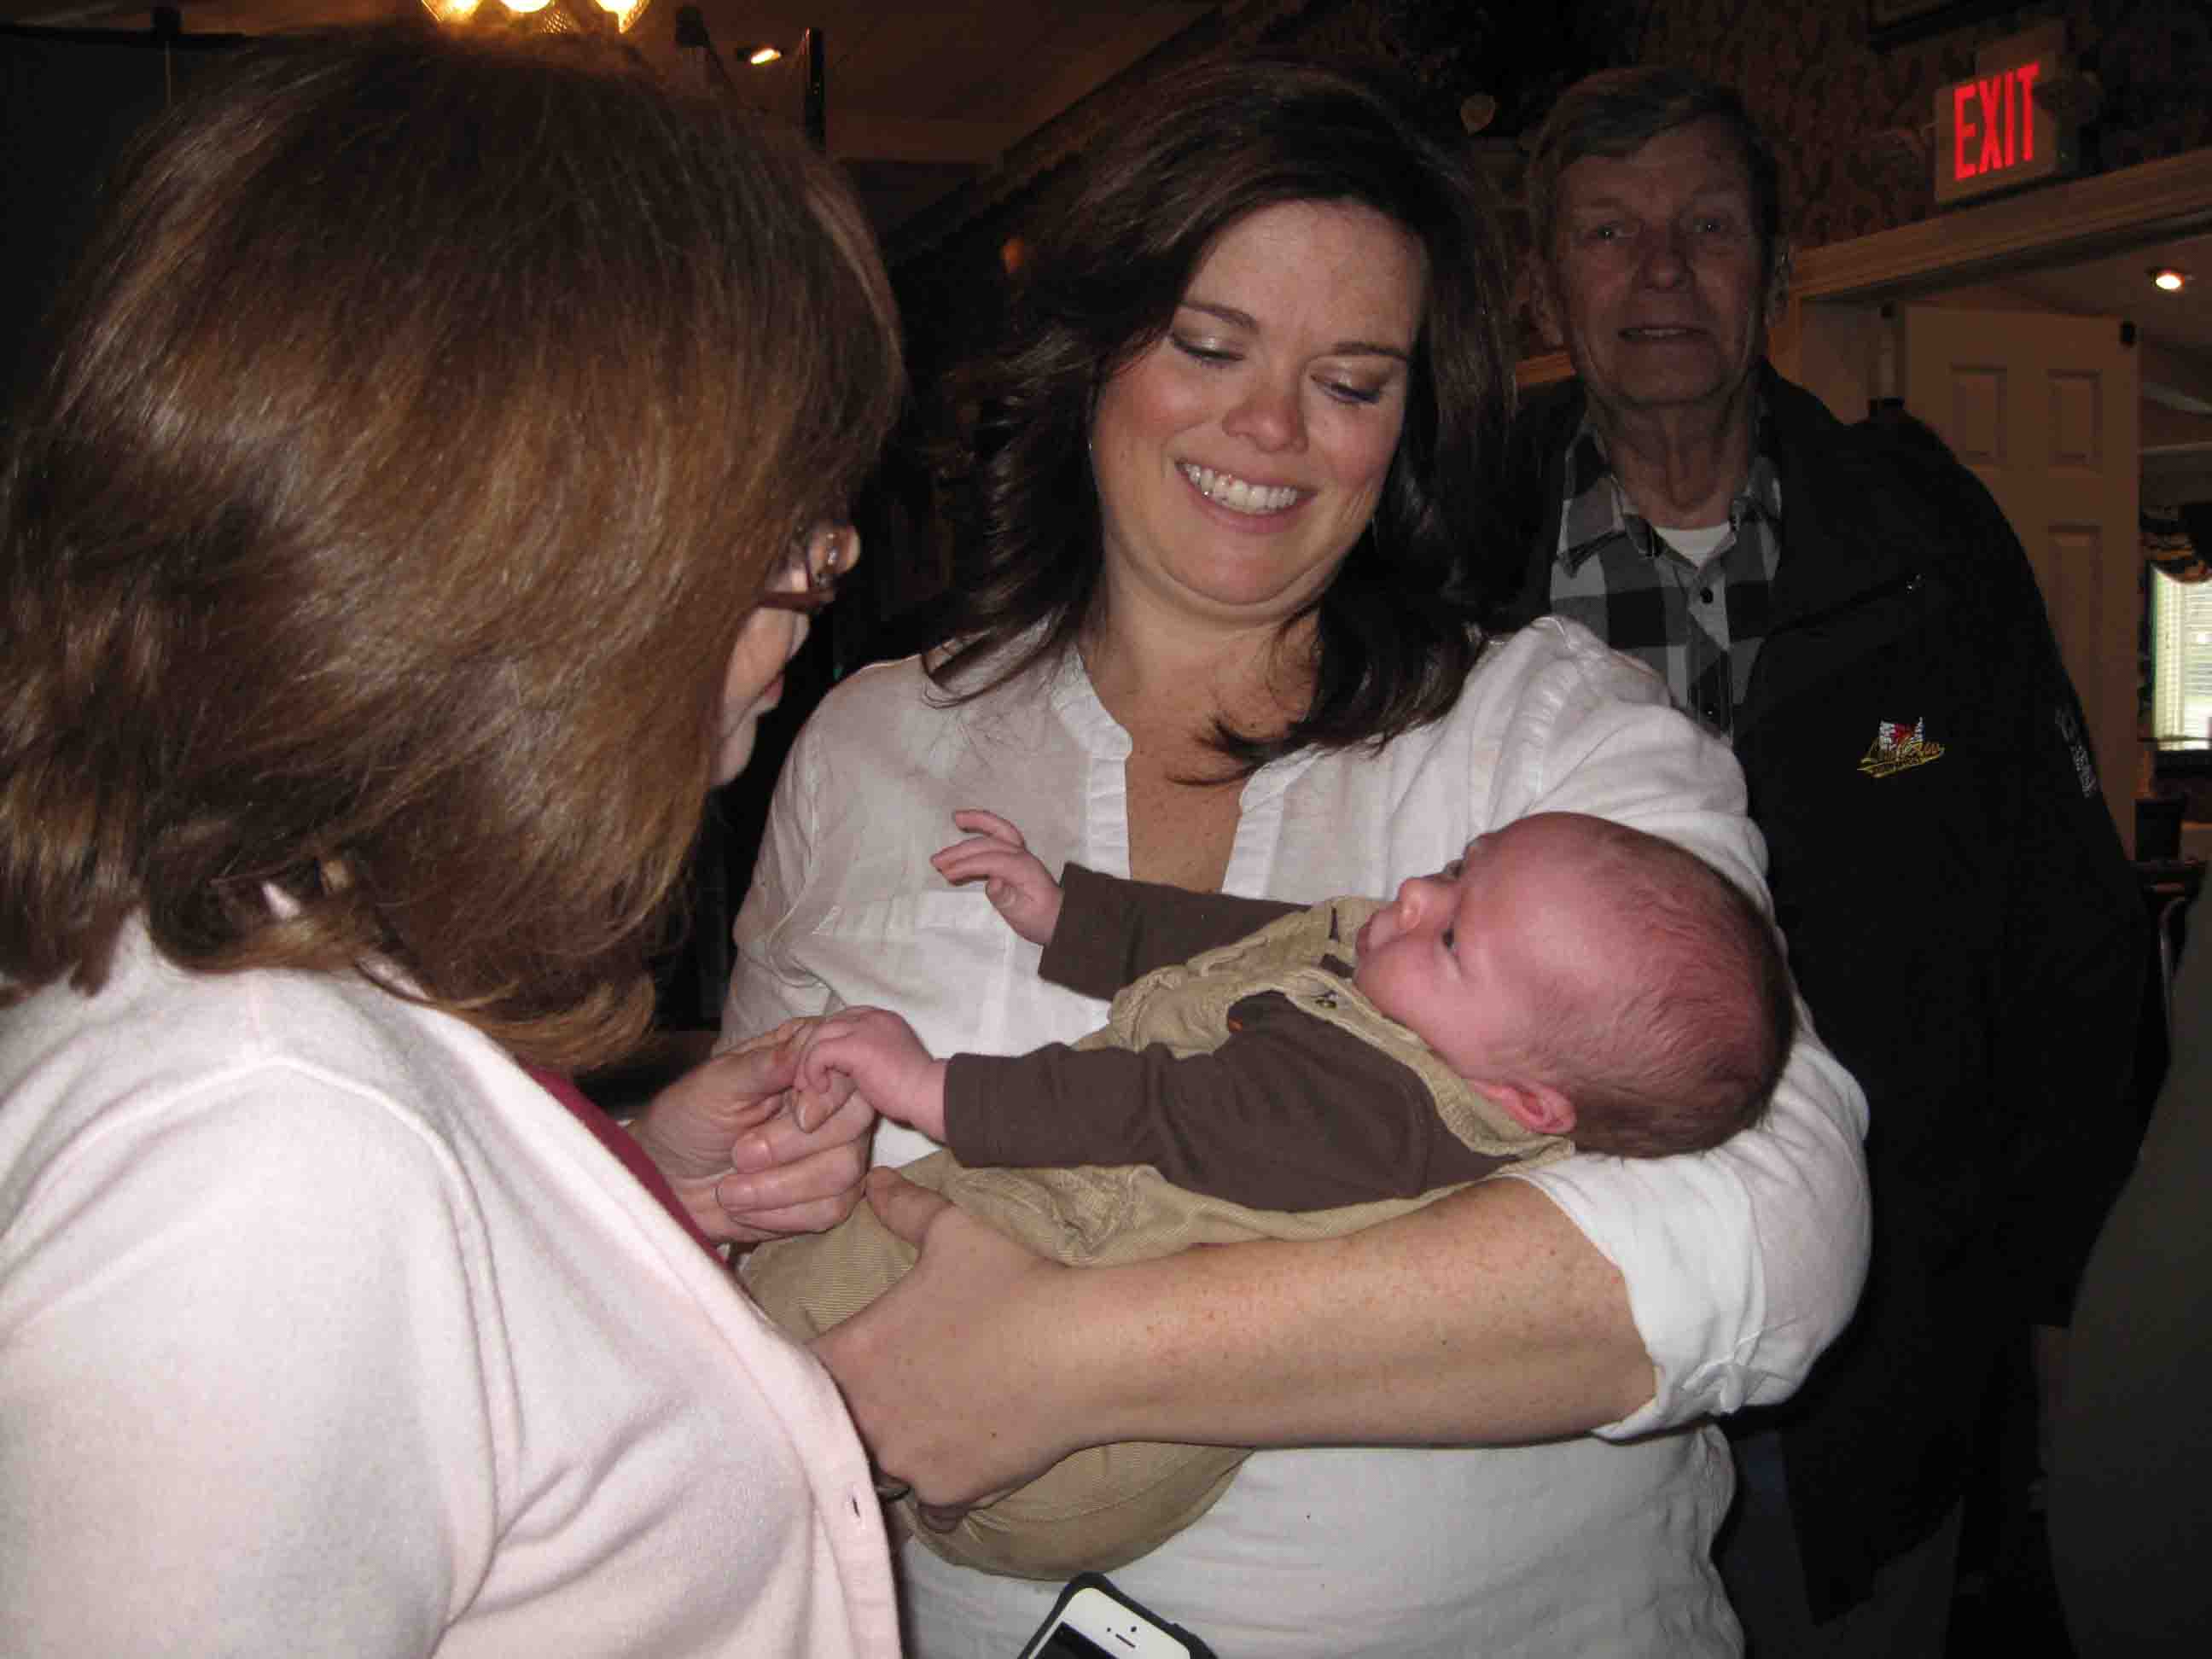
x,y
443,447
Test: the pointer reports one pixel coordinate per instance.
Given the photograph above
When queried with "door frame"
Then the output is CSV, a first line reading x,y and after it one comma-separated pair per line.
x,y
2079,219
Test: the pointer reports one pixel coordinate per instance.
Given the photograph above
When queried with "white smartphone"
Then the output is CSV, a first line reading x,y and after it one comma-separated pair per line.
x,y
1094,1620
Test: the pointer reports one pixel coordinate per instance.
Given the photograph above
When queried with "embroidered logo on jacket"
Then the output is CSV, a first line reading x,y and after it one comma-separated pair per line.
x,y
2077,746
1898,747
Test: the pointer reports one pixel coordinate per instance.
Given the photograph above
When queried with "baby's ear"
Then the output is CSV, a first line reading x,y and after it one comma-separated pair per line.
x,y
1534,1106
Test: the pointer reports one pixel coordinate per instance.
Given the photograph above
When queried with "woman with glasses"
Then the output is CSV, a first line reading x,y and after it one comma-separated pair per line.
x,y
396,551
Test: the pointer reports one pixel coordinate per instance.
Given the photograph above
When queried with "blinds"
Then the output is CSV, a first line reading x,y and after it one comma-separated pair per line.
x,y
2177,544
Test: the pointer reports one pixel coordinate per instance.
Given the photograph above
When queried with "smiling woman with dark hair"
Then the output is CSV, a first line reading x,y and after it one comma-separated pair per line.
x,y
1221,633
413,521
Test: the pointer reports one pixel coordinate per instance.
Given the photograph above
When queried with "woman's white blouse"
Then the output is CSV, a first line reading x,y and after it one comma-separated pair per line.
x,y
1740,1263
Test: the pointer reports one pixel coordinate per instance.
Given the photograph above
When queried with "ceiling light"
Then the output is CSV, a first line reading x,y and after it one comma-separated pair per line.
x,y
2172,279
763,55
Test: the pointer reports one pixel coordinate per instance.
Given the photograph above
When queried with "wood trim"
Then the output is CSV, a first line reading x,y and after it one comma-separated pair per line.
x,y
1543,370
2060,222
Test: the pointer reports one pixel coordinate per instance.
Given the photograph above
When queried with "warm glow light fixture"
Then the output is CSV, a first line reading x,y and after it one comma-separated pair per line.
x,y
761,55
2169,278
543,16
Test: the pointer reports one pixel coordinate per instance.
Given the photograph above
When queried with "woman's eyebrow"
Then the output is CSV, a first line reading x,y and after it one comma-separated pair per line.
x,y
1245,319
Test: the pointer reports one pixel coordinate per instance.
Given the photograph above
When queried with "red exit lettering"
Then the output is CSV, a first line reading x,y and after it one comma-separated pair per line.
x,y
2005,136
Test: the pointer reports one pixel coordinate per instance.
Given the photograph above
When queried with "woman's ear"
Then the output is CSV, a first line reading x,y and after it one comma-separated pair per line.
x,y
1534,1106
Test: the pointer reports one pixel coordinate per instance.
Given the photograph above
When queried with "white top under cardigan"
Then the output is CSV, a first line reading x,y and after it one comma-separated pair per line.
x,y
1742,1263
325,1330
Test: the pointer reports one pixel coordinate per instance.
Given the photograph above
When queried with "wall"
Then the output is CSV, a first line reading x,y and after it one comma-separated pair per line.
x,y
68,101
1838,108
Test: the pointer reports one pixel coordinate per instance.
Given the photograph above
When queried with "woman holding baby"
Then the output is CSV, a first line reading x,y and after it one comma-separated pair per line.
x,y
1224,633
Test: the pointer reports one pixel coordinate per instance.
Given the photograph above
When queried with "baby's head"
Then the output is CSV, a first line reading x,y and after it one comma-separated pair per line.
x,y
1594,981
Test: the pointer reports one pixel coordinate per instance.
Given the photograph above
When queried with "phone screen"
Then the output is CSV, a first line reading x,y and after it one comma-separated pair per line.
x,y
1093,1621
1065,1643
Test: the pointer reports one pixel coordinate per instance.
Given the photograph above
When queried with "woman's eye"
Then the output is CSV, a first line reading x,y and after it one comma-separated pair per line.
x,y
1201,350
1345,392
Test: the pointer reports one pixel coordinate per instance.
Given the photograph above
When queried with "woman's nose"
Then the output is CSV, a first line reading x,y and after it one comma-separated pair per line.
x,y
1268,415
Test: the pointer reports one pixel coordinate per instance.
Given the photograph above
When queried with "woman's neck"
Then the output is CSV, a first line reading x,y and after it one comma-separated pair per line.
x,y
1165,677
1168,684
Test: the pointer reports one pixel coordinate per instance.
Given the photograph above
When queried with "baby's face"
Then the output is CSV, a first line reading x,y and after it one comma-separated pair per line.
x,y
1452,957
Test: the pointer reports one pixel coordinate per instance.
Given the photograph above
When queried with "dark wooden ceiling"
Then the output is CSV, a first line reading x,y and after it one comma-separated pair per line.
x,y
922,95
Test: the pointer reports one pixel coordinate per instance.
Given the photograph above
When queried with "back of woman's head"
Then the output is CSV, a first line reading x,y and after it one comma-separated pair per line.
x,y
422,426
1211,147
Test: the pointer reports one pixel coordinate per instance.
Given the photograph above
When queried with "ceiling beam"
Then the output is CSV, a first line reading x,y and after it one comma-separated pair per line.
x,y
855,135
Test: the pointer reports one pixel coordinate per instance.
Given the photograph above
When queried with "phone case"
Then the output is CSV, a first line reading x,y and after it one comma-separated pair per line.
x,y
1106,1586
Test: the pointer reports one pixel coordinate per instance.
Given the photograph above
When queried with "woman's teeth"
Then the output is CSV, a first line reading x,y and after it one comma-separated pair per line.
x,y
1225,489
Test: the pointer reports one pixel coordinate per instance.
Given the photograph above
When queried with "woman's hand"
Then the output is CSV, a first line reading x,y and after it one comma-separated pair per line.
x,y
958,1377
731,1139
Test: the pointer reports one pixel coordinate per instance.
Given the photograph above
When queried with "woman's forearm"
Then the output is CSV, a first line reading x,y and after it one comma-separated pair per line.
x,y
1484,1318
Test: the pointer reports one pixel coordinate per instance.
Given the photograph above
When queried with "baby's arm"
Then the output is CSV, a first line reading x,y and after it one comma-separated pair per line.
x,y
1017,882
886,1061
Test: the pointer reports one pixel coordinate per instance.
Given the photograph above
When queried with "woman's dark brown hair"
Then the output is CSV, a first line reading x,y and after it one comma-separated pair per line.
x,y
1215,144
421,428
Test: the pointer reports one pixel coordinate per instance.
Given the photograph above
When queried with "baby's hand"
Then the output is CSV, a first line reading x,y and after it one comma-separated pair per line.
x,y
885,1062
1017,884
811,1100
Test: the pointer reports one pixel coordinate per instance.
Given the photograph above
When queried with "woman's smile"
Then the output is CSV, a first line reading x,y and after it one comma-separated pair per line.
x,y
1239,495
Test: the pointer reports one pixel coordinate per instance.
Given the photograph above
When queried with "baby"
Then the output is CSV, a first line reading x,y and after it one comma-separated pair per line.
x,y
1583,978
1566,977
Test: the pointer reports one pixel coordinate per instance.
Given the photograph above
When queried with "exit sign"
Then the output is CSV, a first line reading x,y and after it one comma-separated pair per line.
x,y
2004,125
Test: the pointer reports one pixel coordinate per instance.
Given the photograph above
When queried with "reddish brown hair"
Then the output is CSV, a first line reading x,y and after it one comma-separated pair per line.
x,y
422,428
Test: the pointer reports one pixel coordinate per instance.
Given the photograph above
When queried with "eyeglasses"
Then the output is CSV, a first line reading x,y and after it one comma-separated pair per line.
x,y
807,575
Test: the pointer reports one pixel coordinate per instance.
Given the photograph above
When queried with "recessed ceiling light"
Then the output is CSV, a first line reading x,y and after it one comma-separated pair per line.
x,y
2170,278
763,55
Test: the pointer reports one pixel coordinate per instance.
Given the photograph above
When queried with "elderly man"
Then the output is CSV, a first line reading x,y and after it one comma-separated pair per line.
x,y
1847,606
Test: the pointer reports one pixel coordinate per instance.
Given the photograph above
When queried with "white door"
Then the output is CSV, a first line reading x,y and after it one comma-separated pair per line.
x,y
2043,408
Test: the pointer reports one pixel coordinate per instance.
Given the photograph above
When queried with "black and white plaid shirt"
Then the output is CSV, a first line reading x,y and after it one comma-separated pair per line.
x,y
1699,624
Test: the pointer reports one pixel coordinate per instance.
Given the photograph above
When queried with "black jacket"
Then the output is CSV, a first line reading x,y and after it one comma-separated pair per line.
x,y
1965,930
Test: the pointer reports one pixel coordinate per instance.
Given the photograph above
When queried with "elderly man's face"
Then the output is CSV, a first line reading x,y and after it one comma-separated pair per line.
x,y
1655,282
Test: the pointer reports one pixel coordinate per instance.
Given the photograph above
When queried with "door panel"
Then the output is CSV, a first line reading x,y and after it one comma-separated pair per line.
x,y
2043,408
